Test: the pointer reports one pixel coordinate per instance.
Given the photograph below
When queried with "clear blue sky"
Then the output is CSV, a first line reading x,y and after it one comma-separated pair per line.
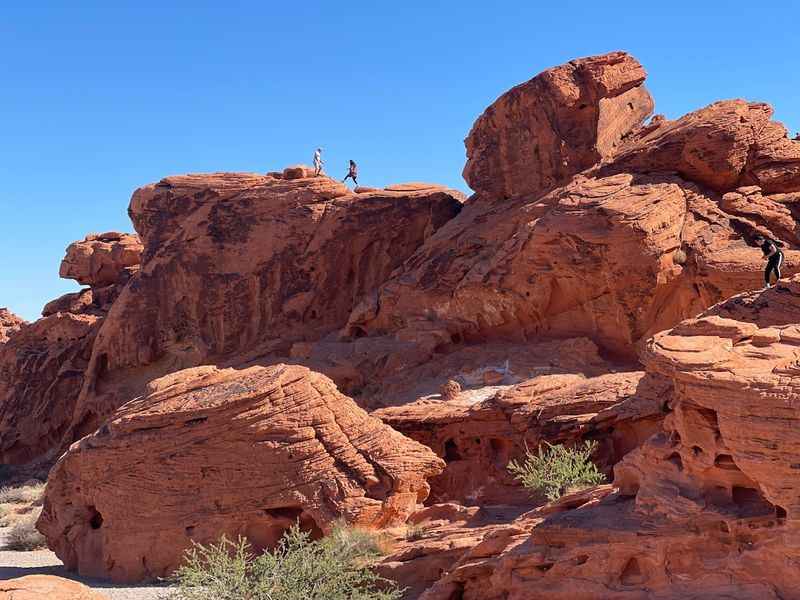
x,y
101,97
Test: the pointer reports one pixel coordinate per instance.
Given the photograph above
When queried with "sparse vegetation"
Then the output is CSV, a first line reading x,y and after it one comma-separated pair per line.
x,y
24,535
31,493
414,532
556,468
338,567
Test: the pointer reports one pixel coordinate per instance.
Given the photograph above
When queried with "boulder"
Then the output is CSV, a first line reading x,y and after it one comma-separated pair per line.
x,y
566,119
236,452
46,587
101,260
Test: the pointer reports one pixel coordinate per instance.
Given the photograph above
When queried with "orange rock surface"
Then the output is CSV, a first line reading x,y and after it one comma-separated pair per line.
x,y
241,452
46,587
9,323
103,259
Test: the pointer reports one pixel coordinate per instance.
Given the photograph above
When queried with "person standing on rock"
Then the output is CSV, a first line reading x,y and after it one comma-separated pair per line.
x,y
318,162
772,252
352,173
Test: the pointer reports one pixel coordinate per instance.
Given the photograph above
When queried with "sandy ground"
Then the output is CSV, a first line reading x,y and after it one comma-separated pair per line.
x,y
44,562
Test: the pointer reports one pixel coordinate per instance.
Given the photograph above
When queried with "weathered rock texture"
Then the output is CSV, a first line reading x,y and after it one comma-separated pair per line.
x,y
477,441
625,244
101,260
42,365
9,323
237,263
237,452
715,491
46,587
566,119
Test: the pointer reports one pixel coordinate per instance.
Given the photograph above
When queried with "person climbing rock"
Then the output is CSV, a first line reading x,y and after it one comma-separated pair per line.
x,y
772,252
352,173
318,162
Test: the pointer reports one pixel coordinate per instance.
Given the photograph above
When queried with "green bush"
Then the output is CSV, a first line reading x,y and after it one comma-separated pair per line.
x,y
333,568
556,468
23,534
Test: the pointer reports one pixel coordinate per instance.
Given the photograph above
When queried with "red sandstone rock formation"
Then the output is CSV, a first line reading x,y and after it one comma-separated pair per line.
x,y
237,263
42,365
101,260
566,119
238,452
705,509
477,441
9,323
46,587
650,232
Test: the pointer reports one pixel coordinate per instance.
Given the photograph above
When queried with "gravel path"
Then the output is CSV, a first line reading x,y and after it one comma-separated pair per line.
x,y
44,562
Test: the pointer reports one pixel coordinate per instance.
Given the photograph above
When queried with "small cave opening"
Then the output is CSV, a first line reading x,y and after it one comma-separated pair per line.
x,y
451,452
632,573
95,518
750,502
675,459
359,332
697,451
780,512
500,452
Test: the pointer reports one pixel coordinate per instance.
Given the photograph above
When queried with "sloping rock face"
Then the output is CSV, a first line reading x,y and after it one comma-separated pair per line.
x,y
240,452
9,323
238,263
46,587
714,491
103,259
656,229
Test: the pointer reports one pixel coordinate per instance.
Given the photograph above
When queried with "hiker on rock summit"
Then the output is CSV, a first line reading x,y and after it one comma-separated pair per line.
x,y
353,173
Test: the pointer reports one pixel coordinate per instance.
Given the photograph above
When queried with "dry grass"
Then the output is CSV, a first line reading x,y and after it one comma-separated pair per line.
x,y
19,509
31,493
24,535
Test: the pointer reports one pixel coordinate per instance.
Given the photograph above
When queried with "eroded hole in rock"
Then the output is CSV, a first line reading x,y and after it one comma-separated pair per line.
x,y
697,450
190,530
725,461
451,452
544,568
632,573
456,338
750,502
359,332
676,460
95,518
196,421
780,512
292,513
579,560
500,450
265,533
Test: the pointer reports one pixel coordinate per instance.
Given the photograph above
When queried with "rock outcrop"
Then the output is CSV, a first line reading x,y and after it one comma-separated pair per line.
x,y
654,229
42,365
242,452
46,587
238,263
563,121
101,260
707,508
9,323
477,441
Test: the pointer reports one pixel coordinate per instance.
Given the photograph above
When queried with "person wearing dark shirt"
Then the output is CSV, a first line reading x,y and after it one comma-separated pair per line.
x,y
772,252
352,174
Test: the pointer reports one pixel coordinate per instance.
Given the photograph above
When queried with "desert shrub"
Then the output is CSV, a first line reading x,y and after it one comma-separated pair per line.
x,y
555,468
358,541
337,567
414,532
679,257
31,493
23,534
